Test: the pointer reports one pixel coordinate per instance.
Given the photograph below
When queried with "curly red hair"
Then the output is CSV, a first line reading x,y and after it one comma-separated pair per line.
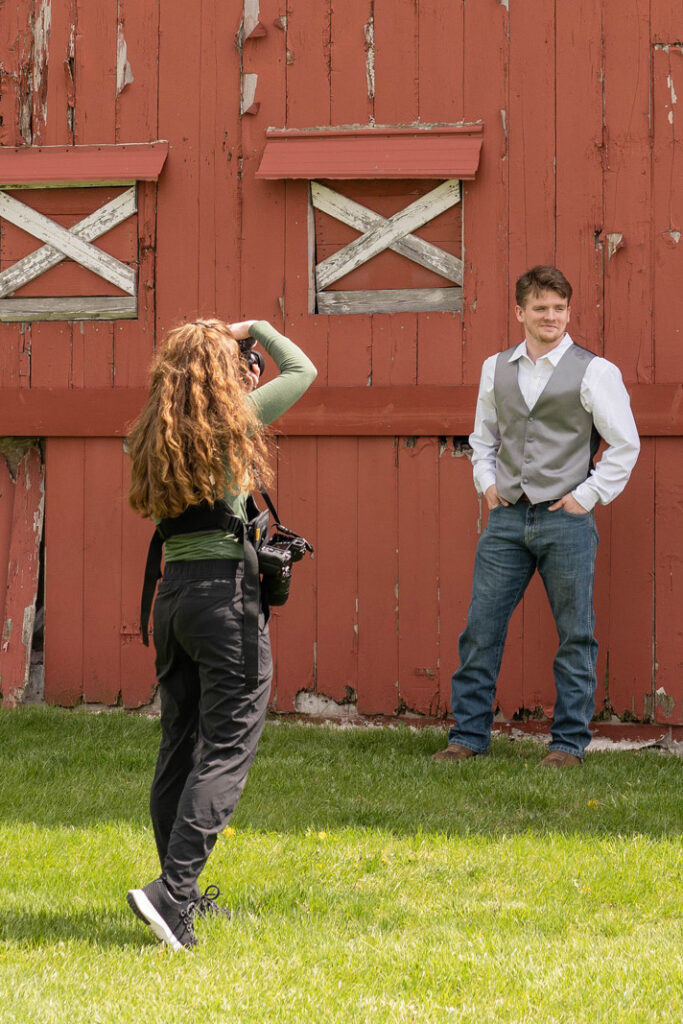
x,y
196,432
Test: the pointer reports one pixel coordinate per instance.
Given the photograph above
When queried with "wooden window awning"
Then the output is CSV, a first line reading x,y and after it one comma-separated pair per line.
x,y
42,166
366,153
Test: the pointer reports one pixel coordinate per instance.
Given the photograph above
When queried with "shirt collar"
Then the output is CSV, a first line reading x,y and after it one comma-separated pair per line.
x,y
553,356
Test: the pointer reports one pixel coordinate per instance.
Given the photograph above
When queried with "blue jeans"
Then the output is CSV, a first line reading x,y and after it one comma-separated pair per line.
x,y
518,540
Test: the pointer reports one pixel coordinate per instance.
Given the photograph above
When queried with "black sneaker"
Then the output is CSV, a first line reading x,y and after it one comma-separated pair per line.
x,y
170,919
207,906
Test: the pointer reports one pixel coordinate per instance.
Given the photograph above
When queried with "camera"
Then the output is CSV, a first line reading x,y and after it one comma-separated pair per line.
x,y
250,357
275,559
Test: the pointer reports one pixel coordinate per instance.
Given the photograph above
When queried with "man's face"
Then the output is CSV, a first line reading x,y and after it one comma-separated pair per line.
x,y
545,316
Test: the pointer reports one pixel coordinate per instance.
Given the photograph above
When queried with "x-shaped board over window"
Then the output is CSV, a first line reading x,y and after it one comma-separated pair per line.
x,y
76,244
380,233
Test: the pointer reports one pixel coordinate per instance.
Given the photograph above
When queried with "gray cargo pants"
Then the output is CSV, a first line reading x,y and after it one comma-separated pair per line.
x,y
211,721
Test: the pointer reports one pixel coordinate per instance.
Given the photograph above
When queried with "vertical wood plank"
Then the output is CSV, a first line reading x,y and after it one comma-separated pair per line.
x,y
628,271
136,114
23,566
668,580
349,360
296,622
15,350
95,72
631,590
396,67
207,138
439,348
102,571
227,187
668,213
15,47
138,679
51,348
95,122
417,575
666,21
377,576
309,41
92,361
352,57
59,129
579,148
441,62
41,28
6,514
531,129
64,561
394,349
337,567
178,239
485,200
263,202
137,83
15,340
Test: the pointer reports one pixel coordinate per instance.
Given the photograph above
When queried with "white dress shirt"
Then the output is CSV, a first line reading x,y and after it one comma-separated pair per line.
x,y
602,394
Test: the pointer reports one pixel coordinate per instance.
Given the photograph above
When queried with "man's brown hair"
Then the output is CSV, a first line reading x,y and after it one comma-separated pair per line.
x,y
542,279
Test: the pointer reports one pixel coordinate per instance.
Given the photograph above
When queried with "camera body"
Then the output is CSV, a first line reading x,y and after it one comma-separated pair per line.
x,y
275,559
250,357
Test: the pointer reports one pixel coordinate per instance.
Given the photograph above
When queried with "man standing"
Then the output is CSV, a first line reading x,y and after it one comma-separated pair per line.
x,y
543,406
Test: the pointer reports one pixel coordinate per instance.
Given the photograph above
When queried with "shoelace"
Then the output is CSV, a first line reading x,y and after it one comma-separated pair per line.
x,y
206,904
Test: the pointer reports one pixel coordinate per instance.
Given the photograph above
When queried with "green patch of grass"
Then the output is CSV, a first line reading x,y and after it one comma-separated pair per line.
x,y
367,883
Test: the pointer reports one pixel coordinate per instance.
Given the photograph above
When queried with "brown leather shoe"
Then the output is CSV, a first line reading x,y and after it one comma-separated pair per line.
x,y
560,759
454,752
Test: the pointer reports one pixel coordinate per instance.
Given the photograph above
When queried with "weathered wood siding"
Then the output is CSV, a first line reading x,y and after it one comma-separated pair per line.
x,y
580,166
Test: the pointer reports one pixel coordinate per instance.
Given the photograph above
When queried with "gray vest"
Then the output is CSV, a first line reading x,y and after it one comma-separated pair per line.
x,y
547,451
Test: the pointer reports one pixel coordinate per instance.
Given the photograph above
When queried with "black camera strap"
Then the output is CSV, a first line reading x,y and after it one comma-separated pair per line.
x,y
284,529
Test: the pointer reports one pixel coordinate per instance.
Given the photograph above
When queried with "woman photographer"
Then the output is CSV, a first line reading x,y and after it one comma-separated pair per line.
x,y
198,439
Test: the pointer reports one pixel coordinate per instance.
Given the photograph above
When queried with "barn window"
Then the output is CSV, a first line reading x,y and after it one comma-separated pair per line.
x,y
81,203
385,214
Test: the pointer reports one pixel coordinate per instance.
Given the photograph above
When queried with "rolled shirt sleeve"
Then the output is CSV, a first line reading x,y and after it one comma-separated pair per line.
x,y
605,397
485,438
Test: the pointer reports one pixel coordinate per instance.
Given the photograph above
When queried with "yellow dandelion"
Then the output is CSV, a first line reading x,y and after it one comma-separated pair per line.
x,y
229,831
593,804
322,835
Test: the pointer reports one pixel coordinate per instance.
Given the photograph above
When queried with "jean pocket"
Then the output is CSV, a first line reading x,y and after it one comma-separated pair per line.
x,y
575,515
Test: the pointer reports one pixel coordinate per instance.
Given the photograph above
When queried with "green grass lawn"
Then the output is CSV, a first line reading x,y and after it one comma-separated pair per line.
x,y
367,883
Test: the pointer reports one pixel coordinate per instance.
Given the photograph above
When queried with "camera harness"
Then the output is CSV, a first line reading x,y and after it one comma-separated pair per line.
x,y
219,517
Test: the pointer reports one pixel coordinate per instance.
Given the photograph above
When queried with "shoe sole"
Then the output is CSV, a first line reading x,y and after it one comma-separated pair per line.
x,y
142,908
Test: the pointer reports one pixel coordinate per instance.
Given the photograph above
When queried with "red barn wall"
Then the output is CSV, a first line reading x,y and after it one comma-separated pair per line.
x,y
580,166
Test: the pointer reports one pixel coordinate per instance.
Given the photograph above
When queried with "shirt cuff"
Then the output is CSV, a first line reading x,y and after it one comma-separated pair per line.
x,y
586,497
483,480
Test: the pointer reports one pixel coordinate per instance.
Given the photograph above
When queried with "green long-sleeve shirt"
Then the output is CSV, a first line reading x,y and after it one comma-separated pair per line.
x,y
270,400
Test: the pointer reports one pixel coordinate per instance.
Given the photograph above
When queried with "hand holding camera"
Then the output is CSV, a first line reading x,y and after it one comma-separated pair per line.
x,y
254,360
